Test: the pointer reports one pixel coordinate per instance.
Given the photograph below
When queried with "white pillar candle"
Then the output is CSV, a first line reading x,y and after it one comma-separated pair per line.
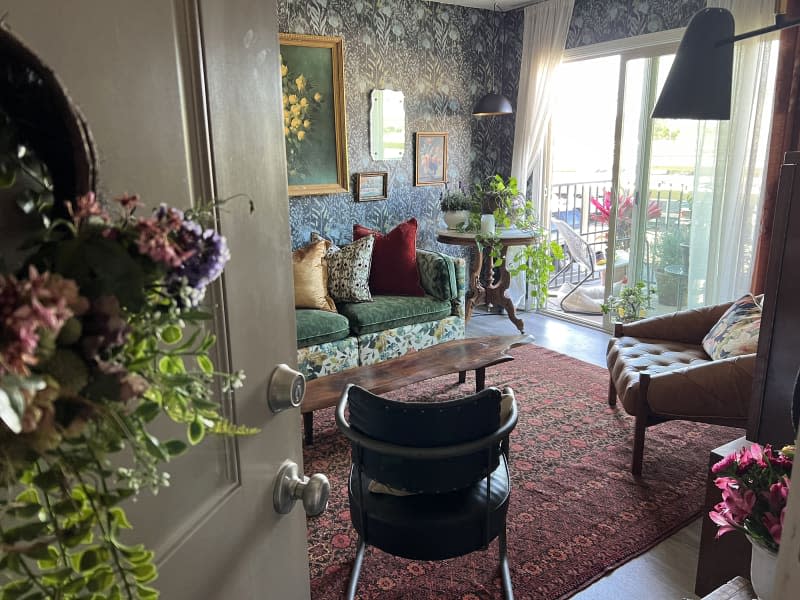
x,y
487,224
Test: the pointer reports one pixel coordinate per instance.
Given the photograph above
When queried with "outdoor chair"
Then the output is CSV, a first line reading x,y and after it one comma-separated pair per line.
x,y
660,371
429,480
580,254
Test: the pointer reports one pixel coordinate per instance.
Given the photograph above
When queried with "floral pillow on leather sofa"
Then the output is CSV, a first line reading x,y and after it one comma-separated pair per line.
x,y
736,332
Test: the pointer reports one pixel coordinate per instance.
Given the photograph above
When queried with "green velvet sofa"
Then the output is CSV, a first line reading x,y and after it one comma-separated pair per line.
x,y
365,333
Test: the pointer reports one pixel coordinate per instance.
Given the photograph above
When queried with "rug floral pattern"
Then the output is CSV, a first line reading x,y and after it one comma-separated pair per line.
x,y
576,512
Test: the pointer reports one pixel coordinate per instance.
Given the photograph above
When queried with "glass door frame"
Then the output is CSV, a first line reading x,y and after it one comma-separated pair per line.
x,y
644,46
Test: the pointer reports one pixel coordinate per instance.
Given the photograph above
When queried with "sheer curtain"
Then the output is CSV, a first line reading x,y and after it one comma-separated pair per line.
x,y
731,167
544,37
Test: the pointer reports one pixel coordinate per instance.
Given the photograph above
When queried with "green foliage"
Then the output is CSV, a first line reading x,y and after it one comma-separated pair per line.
x,y
537,260
455,200
670,246
631,304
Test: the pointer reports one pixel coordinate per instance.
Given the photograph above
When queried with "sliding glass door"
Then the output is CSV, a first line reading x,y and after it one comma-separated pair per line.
x,y
655,198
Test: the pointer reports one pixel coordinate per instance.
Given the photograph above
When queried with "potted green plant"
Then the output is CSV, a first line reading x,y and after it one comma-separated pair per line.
x,y
501,198
630,305
456,207
669,262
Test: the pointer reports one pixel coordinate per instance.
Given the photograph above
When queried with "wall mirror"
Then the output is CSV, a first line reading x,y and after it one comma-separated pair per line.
x,y
387,125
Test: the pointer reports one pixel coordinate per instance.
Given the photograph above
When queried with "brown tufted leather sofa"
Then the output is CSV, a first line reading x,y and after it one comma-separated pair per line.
x,y
660,372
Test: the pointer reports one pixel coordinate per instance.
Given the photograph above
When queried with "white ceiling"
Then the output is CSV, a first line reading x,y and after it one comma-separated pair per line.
x,y
489,4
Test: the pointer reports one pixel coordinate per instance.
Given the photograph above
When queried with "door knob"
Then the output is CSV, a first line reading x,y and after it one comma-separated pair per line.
x,y
286,388
291,486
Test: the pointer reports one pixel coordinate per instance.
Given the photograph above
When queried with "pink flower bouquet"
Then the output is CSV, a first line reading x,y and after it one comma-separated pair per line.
x,y
755,485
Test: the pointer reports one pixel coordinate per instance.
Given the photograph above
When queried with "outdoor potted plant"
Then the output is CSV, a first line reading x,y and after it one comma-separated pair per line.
x,y
456,206
631,304
755,484
670,252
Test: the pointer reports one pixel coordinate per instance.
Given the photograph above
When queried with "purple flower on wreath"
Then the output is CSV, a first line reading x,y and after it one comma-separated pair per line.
x,y
207,253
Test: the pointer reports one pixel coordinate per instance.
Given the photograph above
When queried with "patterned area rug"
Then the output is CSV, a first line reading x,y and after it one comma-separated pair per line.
x,y
576,512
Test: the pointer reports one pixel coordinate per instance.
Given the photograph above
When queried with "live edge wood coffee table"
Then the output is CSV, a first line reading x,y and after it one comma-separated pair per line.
x,y
456,356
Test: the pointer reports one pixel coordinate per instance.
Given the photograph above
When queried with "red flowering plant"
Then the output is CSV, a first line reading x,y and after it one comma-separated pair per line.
x,y
624,212
101,332
755,484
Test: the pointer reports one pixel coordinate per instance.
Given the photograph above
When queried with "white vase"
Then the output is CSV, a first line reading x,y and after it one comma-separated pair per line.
x,y
762,570
454,218
487,224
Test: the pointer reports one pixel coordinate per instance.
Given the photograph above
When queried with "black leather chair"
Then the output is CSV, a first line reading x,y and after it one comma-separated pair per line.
x,y
449,458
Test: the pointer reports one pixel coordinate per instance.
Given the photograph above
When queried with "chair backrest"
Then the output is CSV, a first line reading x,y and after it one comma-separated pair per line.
x,y
425,425
577,246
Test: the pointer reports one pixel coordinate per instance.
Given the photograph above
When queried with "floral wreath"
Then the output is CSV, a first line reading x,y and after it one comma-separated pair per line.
x,y
101,332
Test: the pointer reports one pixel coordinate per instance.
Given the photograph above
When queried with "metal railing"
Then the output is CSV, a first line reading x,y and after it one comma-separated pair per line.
x,y
669,212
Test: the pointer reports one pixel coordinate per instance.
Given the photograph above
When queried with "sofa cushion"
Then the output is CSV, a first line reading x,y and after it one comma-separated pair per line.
x,y
736,332
386,312
437,274
394,260
319,326
348,271
311,277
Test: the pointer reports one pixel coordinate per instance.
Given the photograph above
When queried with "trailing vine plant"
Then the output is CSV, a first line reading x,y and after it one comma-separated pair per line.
x,y
101,333
501,198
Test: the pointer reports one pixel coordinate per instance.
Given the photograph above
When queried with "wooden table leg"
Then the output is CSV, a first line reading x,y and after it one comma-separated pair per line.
x,y
497,293
308,427
475,290
462,377
480,379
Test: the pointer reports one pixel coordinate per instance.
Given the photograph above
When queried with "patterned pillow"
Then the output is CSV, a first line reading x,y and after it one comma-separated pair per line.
x,y
736,332
348,270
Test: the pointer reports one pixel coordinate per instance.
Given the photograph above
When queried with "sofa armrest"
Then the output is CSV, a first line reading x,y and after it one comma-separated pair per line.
x,y
719,389
443,277
687,326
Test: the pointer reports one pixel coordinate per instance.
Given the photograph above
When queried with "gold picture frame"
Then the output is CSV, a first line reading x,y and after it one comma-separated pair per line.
x,y
430,158
372,186
314,125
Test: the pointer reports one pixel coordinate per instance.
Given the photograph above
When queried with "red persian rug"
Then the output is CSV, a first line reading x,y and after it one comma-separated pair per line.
x,y
576,512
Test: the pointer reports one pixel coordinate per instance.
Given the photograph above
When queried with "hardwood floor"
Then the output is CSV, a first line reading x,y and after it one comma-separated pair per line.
x,y
667,571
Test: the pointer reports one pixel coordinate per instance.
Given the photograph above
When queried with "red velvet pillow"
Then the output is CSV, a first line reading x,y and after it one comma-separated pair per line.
x,y
394,260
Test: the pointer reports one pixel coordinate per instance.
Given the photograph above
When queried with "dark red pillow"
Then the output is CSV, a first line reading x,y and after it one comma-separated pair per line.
x,y
394,260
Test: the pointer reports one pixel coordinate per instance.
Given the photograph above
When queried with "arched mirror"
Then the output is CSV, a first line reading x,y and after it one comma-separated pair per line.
x,y
387,125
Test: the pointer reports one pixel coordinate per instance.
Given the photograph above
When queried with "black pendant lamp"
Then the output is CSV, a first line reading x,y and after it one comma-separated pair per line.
x,y
698,85
494,104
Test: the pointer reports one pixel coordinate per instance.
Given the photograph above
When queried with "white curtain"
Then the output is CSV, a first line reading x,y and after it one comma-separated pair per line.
x,y
544,37
731,167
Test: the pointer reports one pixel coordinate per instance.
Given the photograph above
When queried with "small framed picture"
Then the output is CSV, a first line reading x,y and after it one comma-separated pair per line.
x,y
430,158
372,186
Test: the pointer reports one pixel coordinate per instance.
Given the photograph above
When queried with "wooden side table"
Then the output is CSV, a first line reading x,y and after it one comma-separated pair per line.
x,y
494,293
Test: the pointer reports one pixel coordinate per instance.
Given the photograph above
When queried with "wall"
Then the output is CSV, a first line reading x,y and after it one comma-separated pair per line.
x,y
443,58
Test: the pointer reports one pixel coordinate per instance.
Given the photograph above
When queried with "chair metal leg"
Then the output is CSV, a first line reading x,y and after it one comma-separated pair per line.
x,y
505,572
462,377
351,587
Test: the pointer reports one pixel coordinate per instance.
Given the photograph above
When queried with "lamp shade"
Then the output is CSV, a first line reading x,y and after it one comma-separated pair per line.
x,y
492,104
699,83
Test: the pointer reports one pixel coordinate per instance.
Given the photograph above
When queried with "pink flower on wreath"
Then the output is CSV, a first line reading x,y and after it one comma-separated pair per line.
x,y
721,520
86,207
724,464
736,505
28,309
778,493
156,237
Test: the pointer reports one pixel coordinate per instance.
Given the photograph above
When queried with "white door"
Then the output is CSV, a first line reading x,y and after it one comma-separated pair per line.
x,y
183,100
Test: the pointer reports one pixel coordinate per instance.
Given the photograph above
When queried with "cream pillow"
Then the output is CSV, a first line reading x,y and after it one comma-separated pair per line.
x,y
311,277
348,270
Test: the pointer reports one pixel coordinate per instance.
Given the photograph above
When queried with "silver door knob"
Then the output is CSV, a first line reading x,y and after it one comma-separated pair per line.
x,y
291,486
286,388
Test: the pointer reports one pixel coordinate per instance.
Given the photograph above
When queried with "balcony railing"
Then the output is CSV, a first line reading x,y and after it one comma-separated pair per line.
x,y
669,209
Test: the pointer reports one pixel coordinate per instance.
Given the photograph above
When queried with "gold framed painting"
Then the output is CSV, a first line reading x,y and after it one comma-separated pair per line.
x,y
312,81
430,159
372,186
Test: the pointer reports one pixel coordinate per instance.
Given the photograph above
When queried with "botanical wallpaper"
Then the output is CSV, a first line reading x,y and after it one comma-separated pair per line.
x,y
443,58
596,21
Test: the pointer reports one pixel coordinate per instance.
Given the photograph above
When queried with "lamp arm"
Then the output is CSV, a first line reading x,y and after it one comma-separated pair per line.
x,y
781,22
